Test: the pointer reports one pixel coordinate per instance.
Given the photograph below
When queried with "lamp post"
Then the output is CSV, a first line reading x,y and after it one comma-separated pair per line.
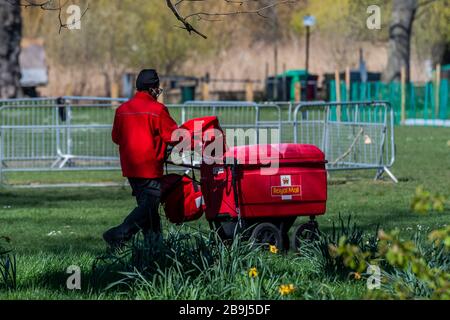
x,y
308,22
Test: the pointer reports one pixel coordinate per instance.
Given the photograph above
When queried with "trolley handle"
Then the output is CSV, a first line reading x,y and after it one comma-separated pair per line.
x,y
234,179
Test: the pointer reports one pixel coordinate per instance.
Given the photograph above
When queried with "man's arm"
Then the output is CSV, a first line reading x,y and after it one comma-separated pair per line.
x,y
115,130
166,126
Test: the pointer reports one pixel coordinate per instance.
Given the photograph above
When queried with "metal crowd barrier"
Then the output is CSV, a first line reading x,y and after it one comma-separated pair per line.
x,y
251,123
353,135
74,133
67,133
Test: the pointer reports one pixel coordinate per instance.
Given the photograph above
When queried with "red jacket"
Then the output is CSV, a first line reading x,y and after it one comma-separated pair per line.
x,y
142,129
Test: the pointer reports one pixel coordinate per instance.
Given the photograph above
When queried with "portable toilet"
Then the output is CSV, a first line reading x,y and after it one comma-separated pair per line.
x,y
187,93
283,86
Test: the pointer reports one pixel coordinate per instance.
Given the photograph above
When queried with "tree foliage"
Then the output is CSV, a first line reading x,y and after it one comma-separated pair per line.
x,y
344,24
431,33
117,35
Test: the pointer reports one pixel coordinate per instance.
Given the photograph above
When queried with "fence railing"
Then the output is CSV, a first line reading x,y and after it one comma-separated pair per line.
x,y
74,133
353,135
252,118
51,134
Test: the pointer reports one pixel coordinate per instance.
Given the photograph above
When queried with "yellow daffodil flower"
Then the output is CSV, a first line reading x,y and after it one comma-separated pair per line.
x,y
286,289
253,273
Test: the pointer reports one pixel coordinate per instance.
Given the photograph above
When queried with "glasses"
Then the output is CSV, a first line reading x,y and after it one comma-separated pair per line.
x,y
157,92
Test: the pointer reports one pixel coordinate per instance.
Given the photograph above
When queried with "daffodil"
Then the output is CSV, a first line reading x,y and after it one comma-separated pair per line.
x,y
273,249
286,289
253,273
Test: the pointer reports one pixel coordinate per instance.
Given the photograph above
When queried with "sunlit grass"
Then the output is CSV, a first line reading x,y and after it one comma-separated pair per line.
x,y
78,216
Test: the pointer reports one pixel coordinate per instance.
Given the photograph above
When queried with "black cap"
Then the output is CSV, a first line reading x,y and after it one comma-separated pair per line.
x,y
147,78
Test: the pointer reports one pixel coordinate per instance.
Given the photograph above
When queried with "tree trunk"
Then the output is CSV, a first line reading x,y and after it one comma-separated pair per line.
x,y
10,36
446,55
399,54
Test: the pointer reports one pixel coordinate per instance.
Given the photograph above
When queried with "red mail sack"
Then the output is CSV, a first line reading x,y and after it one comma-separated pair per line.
x,y
203,131
182,198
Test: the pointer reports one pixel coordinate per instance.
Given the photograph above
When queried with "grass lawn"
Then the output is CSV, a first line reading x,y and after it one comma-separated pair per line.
x,y
52,229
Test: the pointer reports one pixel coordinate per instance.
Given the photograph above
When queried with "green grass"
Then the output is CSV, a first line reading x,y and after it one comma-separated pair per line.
x,y
28,216
63,177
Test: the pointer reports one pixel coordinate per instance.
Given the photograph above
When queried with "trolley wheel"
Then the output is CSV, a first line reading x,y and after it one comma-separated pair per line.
x,y
305,232
266,234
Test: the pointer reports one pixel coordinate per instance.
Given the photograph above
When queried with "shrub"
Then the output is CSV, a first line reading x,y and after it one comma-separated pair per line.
x,y
346,236
424,201
417,269
193,265
190,264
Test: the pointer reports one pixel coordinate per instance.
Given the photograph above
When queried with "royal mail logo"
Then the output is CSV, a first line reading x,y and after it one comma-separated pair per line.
x,y
286,191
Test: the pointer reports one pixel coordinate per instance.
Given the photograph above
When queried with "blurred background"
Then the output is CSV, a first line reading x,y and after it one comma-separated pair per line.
x,y
372,67
243,51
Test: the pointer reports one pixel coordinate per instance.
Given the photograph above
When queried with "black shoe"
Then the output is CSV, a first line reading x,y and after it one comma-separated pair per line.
x,y
153,238
114,238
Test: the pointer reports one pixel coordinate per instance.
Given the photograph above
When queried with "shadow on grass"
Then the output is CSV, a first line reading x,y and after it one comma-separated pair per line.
x,y
396,219
106,268
31,198
93,282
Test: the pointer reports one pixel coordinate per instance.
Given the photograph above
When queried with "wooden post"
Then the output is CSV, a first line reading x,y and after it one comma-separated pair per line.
x,y
438,89
68,89
114,92
338,93
308,35
205,91
347,84
275,58
275,65
403,94
298,92
249,96
286,91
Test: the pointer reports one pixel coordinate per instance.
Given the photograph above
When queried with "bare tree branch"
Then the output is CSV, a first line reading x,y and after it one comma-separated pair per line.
x,y
186,25
48,5
173,5
214,16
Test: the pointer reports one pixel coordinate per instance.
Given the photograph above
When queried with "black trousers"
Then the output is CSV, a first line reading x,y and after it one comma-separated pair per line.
x,y
144,217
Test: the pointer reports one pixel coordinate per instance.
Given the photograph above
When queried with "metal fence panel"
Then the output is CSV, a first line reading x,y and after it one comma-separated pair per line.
x,y
74,133
252,123
353,135
45,134
287,111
